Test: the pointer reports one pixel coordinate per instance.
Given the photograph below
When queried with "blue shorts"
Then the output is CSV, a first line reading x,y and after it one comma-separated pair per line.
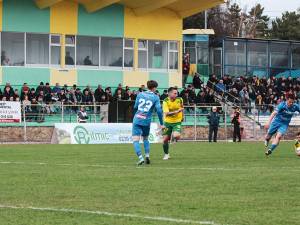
x,y
139,130
277,127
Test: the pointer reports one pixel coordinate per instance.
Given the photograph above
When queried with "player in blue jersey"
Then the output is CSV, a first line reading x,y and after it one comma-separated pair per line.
x,y
144,106
279,122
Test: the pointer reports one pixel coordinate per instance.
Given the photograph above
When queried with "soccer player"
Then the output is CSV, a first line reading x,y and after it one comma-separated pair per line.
x,y
279,122
297,144
144,106
173,116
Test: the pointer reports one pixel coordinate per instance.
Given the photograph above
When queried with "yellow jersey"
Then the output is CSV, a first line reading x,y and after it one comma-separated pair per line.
x,y
171,106
297,144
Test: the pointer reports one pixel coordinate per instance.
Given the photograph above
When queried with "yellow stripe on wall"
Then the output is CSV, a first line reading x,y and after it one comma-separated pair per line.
x,y
161,24
64,18
135,78
175,79
62,77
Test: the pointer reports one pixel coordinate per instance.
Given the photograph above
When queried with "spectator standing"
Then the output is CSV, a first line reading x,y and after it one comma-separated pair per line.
x,y
82,115
236,121
213,121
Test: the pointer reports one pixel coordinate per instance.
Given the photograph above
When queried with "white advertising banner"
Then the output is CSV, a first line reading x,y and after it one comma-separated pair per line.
x,y
10,112
99,133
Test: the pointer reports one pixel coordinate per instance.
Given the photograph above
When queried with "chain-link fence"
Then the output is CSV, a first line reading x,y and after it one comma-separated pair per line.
x,y
38,120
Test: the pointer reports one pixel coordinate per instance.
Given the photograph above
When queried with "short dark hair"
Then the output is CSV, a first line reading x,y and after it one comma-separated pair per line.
x,y
171,89
290,96
152,84
298,134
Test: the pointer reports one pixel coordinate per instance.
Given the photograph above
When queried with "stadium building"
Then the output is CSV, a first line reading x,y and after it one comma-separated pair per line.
x,y
94,41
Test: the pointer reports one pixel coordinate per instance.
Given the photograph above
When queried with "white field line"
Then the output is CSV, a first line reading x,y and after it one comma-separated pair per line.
x,y
111,214
292,169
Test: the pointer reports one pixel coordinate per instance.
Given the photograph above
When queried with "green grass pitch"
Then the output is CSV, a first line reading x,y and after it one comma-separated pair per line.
x,y
217,183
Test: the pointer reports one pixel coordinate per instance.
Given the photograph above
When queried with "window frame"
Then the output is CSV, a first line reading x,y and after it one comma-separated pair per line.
x,y
173,51
47,65
144,50
75,50
50,49
128,48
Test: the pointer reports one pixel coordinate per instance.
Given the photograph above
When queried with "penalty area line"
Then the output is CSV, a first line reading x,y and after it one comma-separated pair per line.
x,y
111,214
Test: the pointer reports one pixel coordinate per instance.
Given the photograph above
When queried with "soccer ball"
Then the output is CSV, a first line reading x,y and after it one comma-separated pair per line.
x,y
297,151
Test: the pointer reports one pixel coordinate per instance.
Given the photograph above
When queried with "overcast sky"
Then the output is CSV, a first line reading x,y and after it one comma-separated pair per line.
x,y
274,8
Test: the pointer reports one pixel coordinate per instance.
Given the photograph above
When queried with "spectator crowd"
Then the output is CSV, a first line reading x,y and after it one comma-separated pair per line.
x,y
263,92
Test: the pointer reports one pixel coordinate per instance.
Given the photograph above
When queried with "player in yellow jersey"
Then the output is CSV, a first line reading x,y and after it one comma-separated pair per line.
x,y
297,145
173,117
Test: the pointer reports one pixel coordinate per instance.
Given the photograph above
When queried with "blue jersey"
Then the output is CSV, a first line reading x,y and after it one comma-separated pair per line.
x,y
285,113
144,106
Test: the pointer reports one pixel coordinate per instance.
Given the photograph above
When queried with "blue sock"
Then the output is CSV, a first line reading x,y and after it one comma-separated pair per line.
x,y
137,149
273,146
147,147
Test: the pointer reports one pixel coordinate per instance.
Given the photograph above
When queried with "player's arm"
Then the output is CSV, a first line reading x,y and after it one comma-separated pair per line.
x,y
159,111
136,105
167,111
279,107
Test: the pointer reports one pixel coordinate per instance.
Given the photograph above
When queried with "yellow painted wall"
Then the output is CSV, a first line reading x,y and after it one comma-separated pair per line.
x,y
135,78
62,77
175,79
64,18
162,24
193,69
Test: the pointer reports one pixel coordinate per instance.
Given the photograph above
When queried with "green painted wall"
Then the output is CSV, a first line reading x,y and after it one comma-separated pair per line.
x,y
161,78
96,77
24,15
106,22
18,76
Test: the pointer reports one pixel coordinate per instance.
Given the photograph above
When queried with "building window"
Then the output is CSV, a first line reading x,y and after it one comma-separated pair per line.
x,y
128,53
143,54
190,48
55,49
158,54
279,54
173,55
70,50
295,56
257,54
12,51
202,52
235,52
112,52
37,49
87,49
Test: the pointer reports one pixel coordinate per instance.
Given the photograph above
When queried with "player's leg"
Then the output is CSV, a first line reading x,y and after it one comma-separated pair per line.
x,y
271,131
136,134
280,132
176,131
146,132
167,134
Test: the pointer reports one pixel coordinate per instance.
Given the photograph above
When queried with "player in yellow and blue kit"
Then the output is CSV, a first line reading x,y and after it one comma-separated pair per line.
x,y
173,117
279,122
144,106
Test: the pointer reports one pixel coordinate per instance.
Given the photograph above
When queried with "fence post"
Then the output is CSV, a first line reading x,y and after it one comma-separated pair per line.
x,y
225,121
117,110
62,112
195,123
25,125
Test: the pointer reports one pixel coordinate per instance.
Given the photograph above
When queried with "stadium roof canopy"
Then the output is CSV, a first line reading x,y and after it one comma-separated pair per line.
x,y
183,8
